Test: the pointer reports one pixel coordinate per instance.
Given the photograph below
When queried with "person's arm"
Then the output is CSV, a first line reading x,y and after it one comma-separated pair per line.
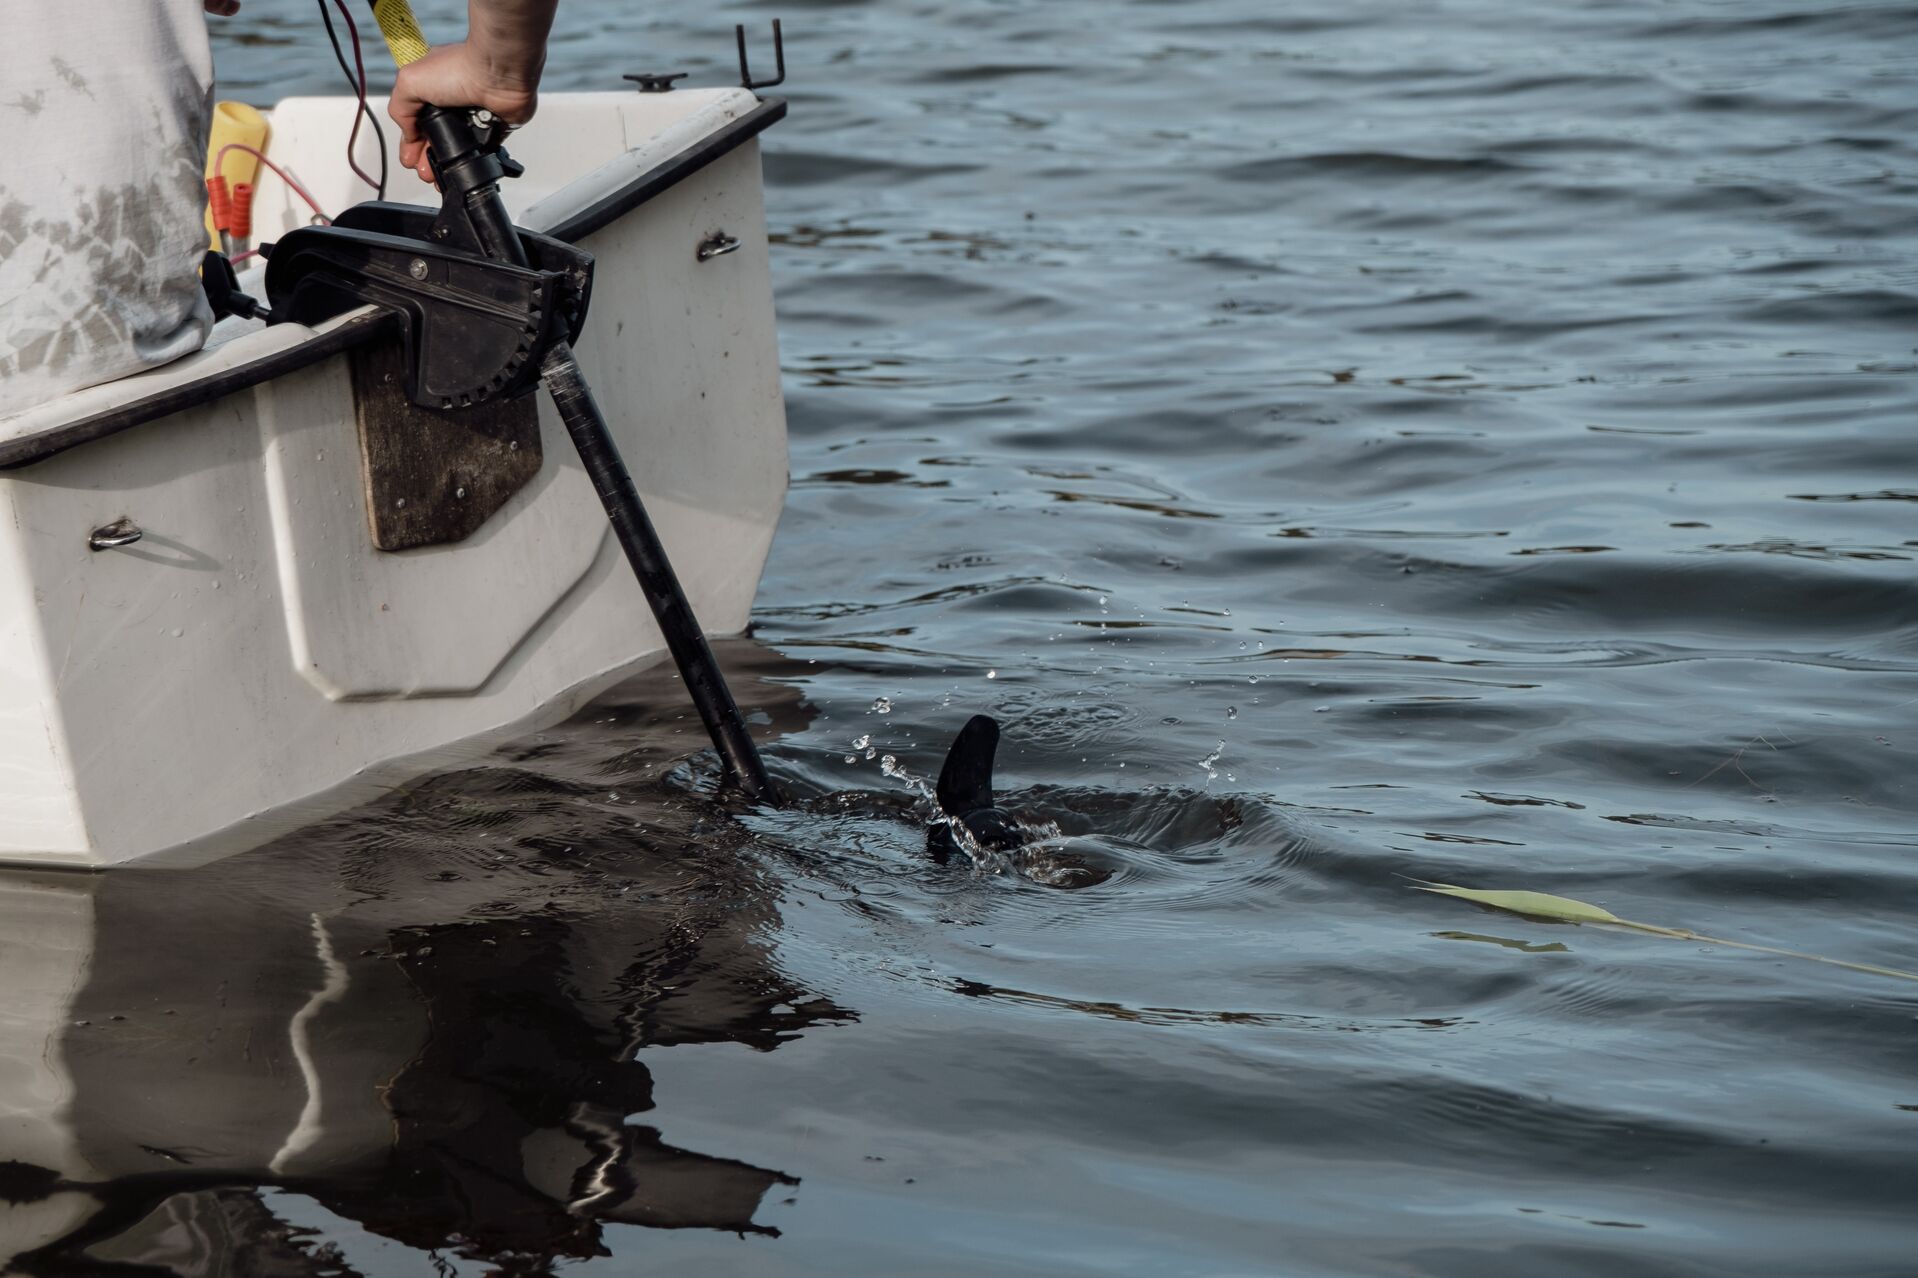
x,y
497,67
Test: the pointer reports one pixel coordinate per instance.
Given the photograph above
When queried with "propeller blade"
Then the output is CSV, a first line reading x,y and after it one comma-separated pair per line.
x,y
965,782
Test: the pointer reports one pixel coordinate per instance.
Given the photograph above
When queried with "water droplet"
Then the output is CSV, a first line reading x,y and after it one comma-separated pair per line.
x,y
1231,712
882,705
1321,709
992,674
852,758
861,742
177,632
871,753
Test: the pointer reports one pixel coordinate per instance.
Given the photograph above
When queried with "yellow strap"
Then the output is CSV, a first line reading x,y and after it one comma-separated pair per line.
x,y
402,31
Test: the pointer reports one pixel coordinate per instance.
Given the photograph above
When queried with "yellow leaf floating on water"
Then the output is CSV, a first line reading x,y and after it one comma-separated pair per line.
x,y
1563,909
1538,905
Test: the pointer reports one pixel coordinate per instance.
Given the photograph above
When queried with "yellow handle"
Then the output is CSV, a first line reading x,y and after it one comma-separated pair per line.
x,y
402,31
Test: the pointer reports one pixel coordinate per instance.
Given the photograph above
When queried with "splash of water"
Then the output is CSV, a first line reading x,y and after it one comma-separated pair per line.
x,y
1024,860
1211,764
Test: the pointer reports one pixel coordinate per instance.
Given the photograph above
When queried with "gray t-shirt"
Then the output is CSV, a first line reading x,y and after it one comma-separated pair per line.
x,y
104,107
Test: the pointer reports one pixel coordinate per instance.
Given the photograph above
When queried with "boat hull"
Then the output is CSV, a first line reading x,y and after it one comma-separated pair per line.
x,y
254,659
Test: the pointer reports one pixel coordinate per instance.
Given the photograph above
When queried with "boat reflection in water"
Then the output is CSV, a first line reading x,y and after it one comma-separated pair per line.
x,y
421,1017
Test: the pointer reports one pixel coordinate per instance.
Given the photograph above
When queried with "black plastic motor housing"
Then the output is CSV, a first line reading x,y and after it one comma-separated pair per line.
x,y
474,330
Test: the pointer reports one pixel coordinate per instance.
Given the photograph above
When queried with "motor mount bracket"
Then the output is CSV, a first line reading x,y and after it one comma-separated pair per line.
x,y
446,428
472,330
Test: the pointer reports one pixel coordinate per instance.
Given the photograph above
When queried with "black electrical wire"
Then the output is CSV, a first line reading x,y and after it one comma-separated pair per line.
x,y
359,91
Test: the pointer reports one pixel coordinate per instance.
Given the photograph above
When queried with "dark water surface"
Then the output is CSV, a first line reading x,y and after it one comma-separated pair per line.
x,y
1343,443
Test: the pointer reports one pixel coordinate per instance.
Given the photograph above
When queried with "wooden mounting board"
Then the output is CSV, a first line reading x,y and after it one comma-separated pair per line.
x,y
433,477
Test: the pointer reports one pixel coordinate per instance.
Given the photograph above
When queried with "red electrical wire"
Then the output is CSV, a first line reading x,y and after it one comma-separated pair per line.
x,y
359,112
284,176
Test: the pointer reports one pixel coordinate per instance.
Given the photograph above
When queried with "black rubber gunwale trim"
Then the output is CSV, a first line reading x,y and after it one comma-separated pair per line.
x,y
16,453
663,177
653,182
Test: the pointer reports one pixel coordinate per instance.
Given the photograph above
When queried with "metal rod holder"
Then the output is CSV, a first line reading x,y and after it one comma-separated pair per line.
x,y
779,57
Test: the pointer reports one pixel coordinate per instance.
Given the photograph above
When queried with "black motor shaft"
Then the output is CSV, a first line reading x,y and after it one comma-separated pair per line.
x,y
470,164
687,642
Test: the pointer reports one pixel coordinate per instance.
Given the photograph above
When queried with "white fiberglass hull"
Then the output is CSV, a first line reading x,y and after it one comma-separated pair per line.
x,y
253,659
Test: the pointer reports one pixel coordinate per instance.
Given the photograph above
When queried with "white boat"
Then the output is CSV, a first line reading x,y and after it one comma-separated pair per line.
x,y
253,660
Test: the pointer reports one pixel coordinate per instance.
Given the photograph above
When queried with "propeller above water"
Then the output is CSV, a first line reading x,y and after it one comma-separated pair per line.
x,y
965,795
966,803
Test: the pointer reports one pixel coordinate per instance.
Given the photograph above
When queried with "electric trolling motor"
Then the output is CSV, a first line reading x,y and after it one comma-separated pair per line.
x,y
486,311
